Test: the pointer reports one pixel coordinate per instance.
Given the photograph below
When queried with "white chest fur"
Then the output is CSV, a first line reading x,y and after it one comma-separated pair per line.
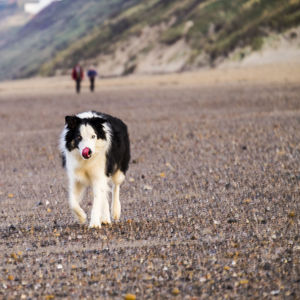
x,y
86,171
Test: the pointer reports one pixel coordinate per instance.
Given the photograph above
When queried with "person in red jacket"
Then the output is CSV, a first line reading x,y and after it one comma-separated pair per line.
x,y
77,75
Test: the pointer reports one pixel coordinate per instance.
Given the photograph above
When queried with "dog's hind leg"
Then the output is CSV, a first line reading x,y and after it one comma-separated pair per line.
x,y
117,180
76,193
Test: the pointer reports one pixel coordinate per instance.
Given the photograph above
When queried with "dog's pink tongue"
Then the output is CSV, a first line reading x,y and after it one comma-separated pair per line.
x,y
86,152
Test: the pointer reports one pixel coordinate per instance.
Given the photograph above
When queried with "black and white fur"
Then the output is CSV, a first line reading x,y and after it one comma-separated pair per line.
x,y
95,148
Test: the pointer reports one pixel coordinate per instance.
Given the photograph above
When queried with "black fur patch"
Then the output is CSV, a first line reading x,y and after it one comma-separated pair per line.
x,y
118,157
96,123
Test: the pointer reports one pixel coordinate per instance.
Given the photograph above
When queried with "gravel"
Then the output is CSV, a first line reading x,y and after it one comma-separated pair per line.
x,y
210,207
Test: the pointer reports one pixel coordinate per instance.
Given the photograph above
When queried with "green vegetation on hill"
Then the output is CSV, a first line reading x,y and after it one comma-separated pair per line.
x,y
216,27
69,31
52,30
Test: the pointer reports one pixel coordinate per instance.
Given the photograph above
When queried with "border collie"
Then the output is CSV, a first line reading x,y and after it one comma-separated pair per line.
x,y
95,148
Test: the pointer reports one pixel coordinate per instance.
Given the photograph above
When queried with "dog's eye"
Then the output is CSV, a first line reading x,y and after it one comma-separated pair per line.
x,y
93,136
78,138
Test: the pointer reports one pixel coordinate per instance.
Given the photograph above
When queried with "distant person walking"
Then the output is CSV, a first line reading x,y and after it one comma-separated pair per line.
x,y
77,75
92,74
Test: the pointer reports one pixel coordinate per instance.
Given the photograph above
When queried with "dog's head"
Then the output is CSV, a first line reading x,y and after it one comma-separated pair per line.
x,y
86,135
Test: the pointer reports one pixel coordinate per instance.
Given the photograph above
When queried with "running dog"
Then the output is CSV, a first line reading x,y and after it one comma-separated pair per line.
x,y
95,148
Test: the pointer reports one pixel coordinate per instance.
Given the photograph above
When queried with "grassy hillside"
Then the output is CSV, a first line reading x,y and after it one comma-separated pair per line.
x,y
53,30
211,28
130,35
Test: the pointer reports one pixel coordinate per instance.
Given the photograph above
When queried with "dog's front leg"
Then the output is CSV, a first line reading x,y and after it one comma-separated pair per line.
x,y
100,210
76,193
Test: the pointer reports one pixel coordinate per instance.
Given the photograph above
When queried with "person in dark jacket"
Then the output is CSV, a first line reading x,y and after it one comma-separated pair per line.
x,y
77,75
92,74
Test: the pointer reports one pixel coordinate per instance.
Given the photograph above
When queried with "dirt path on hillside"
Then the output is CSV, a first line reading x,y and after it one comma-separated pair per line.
x,y
210,207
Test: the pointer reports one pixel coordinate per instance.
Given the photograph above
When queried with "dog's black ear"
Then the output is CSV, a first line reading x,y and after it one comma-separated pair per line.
x,y
72,121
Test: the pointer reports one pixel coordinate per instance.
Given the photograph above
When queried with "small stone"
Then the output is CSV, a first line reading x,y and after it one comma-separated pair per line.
x,y
267,266
231,221
170,166
244,281
162,174
147,188
129,297
14,256
175,291
292,214
227,186
10,277
287,293
275,292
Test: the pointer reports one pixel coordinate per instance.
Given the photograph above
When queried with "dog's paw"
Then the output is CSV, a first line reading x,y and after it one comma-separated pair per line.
x,y
116,210
95,224
106,223
116,215
105,217
106,220
80,214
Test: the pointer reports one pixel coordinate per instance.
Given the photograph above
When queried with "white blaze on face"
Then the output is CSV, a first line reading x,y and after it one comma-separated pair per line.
x,y
89,139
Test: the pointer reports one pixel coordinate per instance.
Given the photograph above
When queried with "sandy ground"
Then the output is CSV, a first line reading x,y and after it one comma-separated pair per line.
x,y
280,73
210,208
